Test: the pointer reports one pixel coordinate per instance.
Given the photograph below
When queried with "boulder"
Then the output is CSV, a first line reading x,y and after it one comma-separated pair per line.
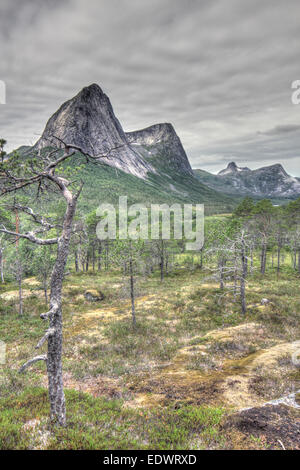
x,y
93,296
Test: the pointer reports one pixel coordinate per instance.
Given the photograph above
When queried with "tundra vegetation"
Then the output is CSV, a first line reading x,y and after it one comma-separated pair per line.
x,y
168,347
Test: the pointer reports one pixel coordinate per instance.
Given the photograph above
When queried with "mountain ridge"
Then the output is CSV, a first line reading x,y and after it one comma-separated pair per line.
x,y
271,181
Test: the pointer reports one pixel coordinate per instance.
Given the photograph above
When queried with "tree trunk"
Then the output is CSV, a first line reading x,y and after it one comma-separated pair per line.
x,y
263,258
243,277
54,356
251,260
45,287
221,270
20,288
162,259
99,256
87,261
161,264
201,258
93,256
132,293
235,276
167,264
1,266
106,255
82,260
76,261
278,259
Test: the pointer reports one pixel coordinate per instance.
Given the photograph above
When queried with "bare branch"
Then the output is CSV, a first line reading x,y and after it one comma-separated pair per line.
x,y
79,191
32,361
31,237
59,160
48,333
79,149
39,219
23,184
47,315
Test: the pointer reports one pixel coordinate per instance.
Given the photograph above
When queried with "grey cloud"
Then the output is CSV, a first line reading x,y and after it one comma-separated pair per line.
x,y
282,129
221,72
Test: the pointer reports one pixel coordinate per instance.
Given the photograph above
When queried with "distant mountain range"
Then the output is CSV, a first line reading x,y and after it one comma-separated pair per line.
x,y
150,165
269,181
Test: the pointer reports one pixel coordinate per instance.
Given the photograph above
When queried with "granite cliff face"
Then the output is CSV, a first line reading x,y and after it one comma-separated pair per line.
x,y
88,121
161,143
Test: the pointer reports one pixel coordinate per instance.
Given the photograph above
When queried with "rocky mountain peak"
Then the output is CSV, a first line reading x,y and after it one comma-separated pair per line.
x,y
161,141
93,89
153,134
88,121
232,168
277,168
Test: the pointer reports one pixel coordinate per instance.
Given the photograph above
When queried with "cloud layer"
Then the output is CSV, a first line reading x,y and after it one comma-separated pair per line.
x,y
221,72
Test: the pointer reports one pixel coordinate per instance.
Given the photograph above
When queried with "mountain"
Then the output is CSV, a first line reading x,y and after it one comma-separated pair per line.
x,y
232,169
148,165
88,121
269,181
161,144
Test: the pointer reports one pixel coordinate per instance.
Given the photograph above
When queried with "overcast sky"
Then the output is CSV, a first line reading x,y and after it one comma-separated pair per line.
x,y
220,71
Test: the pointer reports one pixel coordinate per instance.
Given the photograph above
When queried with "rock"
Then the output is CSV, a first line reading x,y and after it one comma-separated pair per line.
x,y
271,423
93,296
264,301
162,142
88,121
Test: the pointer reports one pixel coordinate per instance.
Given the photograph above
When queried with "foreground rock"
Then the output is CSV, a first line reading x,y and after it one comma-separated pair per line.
x,y
277,426
93,296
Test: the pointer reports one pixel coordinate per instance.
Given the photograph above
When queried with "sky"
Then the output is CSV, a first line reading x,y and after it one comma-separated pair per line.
x,y
219,70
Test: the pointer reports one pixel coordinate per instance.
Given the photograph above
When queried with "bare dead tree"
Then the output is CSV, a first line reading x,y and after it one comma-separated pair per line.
x,y
235,252
244,265
160,252
44,172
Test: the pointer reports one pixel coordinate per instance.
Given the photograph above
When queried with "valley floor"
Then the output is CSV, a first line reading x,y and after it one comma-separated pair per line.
x,y
195,374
